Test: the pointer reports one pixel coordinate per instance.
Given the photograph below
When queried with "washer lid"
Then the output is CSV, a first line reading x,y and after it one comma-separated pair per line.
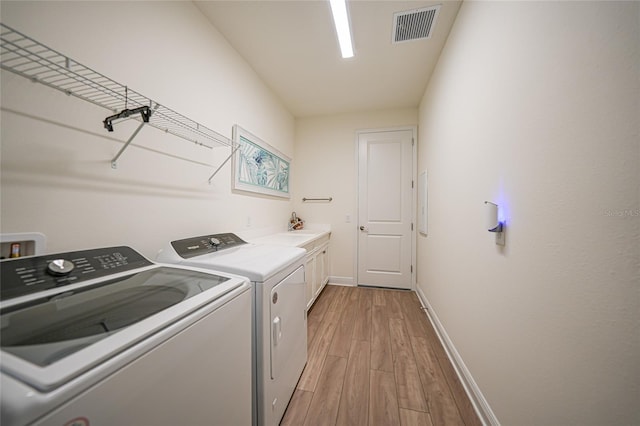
x,y
256,262
49,341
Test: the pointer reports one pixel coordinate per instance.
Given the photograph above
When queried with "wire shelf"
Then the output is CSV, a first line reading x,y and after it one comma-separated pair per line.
x,y
31,59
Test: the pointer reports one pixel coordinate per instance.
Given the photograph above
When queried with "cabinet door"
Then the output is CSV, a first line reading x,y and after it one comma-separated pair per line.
x,y
322,268
310,278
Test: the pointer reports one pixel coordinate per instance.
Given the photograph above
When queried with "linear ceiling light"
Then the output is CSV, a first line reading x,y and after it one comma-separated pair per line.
x,y
341,20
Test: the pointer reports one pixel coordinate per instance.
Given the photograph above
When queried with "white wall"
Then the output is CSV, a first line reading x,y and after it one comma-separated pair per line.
x,y
56,174
325,166
535,105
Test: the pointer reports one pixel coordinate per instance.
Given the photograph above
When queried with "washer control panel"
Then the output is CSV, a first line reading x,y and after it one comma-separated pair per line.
x,y
196,246
29,275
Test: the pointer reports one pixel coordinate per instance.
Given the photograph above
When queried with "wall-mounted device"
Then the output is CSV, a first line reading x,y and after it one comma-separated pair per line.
x,y
493,222
422,203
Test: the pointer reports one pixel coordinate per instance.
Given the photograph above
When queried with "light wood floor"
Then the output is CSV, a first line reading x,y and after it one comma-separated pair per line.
x,y
375,359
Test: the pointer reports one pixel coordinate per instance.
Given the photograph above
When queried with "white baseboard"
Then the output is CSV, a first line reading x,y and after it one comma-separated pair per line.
x,y
478,400
346,281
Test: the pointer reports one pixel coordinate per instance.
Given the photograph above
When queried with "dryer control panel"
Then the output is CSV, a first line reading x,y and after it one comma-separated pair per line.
x,y
29,275
196,246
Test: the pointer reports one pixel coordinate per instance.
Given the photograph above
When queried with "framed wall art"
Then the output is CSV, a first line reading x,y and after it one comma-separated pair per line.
x,y
258,167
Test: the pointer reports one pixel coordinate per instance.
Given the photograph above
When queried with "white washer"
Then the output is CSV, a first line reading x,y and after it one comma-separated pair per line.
x,y
280,318
104,337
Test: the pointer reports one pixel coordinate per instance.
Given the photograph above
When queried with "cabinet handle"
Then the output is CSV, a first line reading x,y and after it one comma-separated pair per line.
x,y
277,331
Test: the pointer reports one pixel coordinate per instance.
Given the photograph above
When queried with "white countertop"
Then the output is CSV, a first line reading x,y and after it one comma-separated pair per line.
x,y
291,238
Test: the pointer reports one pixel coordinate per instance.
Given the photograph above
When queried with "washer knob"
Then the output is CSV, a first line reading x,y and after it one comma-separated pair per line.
x,y
60,267
214,241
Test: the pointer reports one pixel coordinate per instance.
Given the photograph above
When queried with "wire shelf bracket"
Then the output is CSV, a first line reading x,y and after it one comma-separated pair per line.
x,y
233,151
26,57
114,161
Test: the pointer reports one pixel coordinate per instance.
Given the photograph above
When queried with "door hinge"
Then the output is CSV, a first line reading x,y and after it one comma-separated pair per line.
x,y
412,184
413,142
412,226
412,269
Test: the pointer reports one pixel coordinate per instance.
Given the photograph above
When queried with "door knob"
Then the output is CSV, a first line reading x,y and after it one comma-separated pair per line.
x,y
363,228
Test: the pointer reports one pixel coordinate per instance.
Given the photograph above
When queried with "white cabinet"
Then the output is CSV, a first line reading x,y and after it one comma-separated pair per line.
x,y
316,267
322,268
310,278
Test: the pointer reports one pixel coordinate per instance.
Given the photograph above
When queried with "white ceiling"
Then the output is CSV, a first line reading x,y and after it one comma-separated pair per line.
x,y
293,46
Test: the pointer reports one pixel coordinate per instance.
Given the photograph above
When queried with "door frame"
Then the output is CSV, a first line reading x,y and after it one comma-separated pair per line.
x,y
414,197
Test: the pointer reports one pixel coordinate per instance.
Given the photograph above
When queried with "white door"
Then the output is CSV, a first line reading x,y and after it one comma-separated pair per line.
x,y
385,206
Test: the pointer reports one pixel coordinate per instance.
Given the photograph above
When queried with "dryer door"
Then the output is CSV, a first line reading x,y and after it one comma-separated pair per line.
x,y
288,325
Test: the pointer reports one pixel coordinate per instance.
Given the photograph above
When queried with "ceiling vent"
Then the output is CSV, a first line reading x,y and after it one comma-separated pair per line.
x,y
416,24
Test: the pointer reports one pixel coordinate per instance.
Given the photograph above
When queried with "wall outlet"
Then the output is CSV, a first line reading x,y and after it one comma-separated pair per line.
x,y
347,218
248,221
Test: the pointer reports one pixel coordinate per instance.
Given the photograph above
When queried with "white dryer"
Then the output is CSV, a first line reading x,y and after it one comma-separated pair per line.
x,y
104,337
279,308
